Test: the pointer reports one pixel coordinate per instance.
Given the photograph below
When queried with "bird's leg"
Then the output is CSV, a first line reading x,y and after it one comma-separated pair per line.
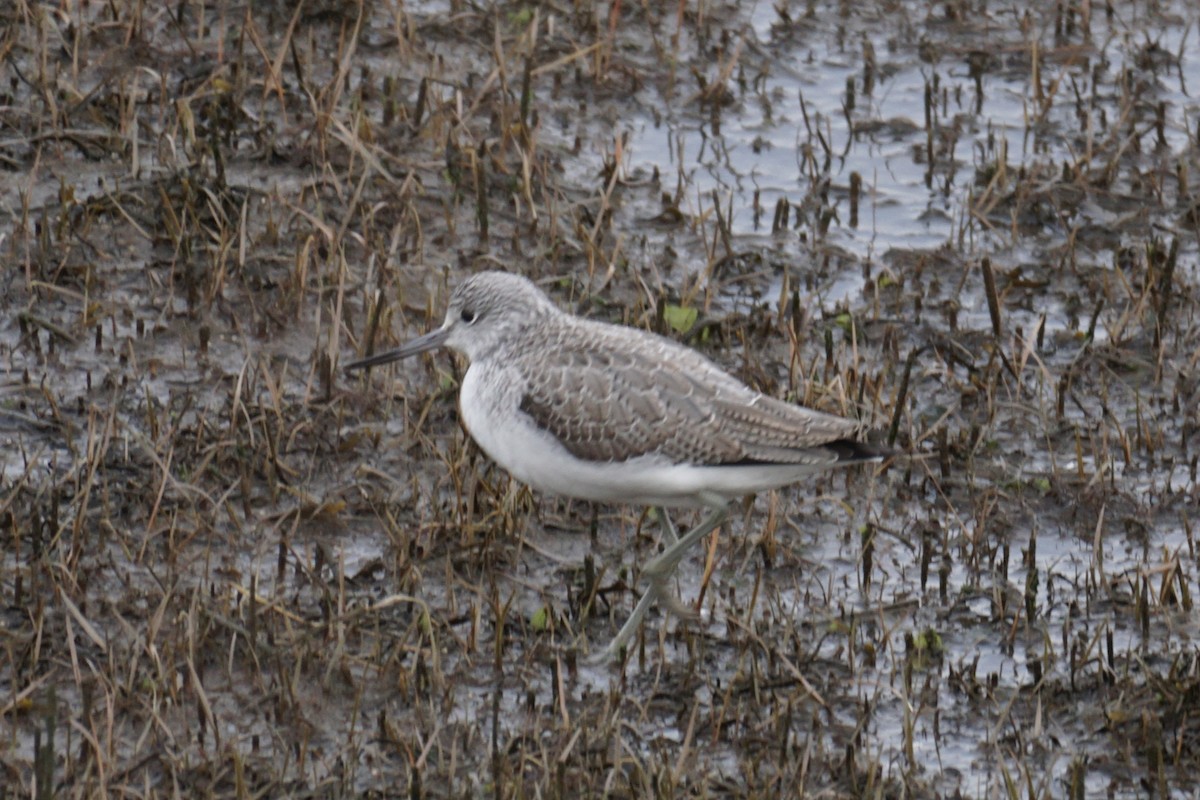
x,y
673,603
668,525
662,566
659,570
631,625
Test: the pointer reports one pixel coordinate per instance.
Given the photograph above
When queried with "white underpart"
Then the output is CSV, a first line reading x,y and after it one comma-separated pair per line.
x,y
489,403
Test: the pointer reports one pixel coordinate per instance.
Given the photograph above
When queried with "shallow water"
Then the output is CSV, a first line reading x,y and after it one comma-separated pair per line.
x,y
195,454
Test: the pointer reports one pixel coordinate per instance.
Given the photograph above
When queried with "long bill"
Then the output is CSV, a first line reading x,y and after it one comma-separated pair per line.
x,y
430,341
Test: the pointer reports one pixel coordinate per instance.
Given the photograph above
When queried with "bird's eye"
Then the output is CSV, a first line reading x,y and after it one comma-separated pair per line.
x,y
467,316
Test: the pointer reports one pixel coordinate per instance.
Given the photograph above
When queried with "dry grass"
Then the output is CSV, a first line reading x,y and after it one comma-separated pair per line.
x,y
228,571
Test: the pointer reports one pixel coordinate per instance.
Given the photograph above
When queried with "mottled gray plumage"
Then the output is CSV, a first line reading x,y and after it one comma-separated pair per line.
x,y
611,394
604,412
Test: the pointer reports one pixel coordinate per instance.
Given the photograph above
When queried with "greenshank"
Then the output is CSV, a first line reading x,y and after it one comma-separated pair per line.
x,y
604,412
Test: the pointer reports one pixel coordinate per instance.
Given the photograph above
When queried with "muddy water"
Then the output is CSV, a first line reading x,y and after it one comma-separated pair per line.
x,y
255,569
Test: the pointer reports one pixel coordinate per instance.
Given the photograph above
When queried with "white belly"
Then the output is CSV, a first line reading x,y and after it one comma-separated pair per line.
x,y
490,406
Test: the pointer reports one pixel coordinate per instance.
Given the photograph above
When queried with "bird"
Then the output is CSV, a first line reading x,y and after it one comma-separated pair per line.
x,y
597,411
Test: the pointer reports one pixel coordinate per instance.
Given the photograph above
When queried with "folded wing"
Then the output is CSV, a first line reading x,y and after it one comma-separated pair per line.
x,y
609,403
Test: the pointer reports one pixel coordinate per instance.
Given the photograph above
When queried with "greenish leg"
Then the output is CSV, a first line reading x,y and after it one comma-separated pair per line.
x,y
659,571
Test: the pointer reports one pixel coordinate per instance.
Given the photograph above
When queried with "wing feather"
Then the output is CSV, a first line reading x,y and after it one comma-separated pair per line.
x,y
612,397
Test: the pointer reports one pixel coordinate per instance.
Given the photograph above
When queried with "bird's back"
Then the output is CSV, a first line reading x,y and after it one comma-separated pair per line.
x,y
612,393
